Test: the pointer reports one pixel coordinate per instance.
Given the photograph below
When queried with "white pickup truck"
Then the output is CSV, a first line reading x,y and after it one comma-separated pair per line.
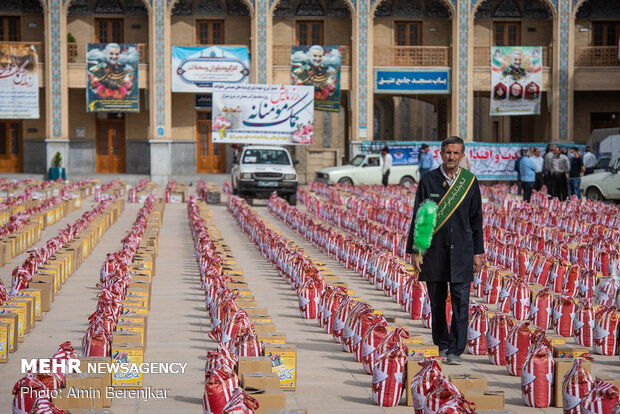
x,y
366,169
261,170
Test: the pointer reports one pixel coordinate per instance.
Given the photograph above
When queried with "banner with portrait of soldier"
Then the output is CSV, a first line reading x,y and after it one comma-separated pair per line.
x,y
516,80
112,77
318,66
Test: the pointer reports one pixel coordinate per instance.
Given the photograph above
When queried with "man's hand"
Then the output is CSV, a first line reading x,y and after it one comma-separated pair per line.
x,y
477,263
416,260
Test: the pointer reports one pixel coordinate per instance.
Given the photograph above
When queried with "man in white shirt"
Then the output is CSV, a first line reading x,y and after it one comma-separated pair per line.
x,y
538,163
387,165
589,161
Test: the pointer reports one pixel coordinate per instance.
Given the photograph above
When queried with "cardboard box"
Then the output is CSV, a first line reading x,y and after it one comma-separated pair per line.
x,y
127,353
256,311
36,295
562,365
555,339
260,380
67,401
414,339
569,351
253,364
270,338
50,278
466,382
269,398
90,385
284,363
613,379
127,337
106,375
5,334
245,303
12,319
28,302
422,350
413,367
136,327
47,293
20,311
486,400
262,327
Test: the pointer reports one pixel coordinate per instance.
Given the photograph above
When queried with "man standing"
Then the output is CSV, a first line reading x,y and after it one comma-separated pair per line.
x,y
576,171
426,160
456,248
589,161
558,168
538,163
518,170
387,165
527,170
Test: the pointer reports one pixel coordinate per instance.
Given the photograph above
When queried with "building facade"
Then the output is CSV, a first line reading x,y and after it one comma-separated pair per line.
x,y
171,136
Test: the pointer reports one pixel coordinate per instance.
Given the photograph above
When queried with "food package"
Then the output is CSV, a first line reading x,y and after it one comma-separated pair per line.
x,y
563,313
541,309
388,376
422,381
24,400
492,287
583,326
440,392
477,329
520,300
219,387
605,331
537,376
497,333
575,385
240,403
517,344
601,399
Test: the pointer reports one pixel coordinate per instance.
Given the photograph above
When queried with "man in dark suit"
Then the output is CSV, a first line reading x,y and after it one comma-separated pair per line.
x,y
456,249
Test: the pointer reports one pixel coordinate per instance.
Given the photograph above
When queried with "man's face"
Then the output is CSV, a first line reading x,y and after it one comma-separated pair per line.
x,y
316,57
451,155
556,150
537,153
113,55
516,61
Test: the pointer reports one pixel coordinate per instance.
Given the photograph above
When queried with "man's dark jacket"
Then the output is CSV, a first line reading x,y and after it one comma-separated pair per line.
x,y
451,255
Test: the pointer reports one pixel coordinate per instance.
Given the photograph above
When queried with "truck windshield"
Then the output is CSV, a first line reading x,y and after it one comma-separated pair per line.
x,y
357,160
266,156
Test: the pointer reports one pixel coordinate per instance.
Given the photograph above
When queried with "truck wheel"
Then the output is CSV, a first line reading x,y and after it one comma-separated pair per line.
x,y
292,199
345,180
594,194
406,182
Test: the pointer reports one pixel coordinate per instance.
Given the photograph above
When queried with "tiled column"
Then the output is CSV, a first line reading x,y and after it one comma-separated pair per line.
x,y
562,125
56,79
362,71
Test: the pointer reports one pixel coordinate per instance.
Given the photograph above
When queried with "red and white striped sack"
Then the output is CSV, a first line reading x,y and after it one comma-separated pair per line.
x,y
537,377
350,324
221,359
520,300
479,281
388,376
240,403
606,291
219,386
340,316
418,296
559,268
587,284
427,319
492,287
45,406
457,404
235,325
523,261
96,344
506,294
309,297
535,261
398,282
441,392
329,310
375,334
367,321
422,381
248,345
394,336
327,300
497,332
542,271
477,329
577,382
405,300
605,331
541,309
583,327
517,344
563,315
616,409
571,281
25,392
601,399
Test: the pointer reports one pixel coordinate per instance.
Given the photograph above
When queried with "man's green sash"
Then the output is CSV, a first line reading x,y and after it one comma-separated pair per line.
x,y
454,197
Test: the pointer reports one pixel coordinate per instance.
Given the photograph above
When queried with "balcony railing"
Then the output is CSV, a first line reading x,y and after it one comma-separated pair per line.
x,y
412,56
37,45
596,56
482,56
76,52
282,55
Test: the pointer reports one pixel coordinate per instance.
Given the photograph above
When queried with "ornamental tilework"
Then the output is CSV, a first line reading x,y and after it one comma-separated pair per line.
x,y
55,8
362,61
474,3
563,101
261,15
462,77
159,10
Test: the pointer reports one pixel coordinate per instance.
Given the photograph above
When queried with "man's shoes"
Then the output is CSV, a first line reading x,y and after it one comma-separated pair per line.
x,y
443,353
454,360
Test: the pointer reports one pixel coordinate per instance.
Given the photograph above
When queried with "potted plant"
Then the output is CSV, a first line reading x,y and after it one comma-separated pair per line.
x,y
57,171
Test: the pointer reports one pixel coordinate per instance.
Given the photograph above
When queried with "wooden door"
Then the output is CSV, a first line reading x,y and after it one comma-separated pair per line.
x,y
111,146
10,146
9,29
109,30
408,34
507,34
309,33
210,157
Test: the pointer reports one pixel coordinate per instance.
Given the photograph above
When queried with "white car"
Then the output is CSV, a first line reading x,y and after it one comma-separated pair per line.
x,y
263,169
602,185
366,169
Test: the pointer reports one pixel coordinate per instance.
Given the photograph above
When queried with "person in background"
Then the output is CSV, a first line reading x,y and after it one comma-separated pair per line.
x,y
547,168
518,170
456,249
589,161
527,172
466,163
576,171
387,165
559,165
538,162
426,160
